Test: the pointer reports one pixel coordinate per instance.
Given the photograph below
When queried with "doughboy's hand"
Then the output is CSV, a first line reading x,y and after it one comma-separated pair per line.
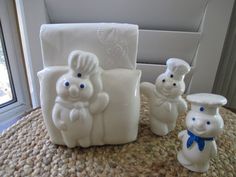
x,y
100,103
77,114
181,134
62,126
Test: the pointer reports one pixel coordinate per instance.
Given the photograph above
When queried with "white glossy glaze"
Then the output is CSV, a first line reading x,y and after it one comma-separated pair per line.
x,y
82,103
74,105
204,121
165,99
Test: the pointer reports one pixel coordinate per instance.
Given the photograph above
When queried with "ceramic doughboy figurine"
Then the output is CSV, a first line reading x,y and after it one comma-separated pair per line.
x,y
203,123
165,99
76,102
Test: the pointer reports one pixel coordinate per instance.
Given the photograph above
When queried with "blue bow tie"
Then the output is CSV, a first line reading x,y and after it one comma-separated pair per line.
x,y
199,140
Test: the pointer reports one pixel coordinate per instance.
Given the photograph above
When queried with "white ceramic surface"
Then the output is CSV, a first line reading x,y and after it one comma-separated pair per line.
x,y
165,99
114,44
84,105
203,123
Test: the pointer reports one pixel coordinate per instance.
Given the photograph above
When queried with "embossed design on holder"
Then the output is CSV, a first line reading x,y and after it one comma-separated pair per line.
x,y
80,100
113,45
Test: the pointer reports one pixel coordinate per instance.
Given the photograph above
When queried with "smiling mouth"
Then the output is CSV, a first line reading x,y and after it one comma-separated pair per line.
x,y
200,132
165,91
74,98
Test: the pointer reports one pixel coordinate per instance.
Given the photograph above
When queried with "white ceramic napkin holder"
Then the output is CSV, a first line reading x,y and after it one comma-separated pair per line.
x,y
89,88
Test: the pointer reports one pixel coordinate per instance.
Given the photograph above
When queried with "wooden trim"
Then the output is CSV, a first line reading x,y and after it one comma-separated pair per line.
x,y
21,53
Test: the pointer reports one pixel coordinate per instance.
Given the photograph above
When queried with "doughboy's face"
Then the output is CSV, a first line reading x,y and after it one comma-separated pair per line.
x,y
204,125
168,86
74,88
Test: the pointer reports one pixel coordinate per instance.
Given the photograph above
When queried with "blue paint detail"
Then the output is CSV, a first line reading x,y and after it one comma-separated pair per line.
x,y
202,109
82,86
199,140
67,83
208,122
193,118
79,75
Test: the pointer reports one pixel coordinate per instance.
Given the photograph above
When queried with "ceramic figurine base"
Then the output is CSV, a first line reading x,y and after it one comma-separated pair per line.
x,y
165,99
204,123
81,103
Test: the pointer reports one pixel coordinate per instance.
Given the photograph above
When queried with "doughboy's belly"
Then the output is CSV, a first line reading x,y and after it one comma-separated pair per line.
x,y
77,128
166,112
193,154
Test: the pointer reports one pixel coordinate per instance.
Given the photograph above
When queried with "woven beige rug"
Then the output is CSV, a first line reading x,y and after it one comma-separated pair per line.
x,y
25,150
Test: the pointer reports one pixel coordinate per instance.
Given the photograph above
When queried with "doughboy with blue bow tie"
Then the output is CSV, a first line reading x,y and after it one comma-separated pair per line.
x,y
203,123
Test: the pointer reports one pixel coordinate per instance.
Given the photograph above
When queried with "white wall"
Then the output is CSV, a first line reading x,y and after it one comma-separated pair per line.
x,y
31,15
225,84
189,29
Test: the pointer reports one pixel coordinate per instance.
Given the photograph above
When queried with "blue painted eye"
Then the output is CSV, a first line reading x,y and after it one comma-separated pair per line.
x,y
208,122
193,118
163,80
79,75
202,109
67,84
82,86
171,75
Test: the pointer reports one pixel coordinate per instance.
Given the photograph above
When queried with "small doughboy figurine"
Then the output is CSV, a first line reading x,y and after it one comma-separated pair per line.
x,y
203,123
165,99
79,99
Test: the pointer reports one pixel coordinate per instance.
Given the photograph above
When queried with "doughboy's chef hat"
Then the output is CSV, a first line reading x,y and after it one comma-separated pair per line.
x,y
178,68
206,103
83,63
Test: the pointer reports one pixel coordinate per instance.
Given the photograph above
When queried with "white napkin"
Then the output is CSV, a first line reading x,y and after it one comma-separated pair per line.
x,y
114,44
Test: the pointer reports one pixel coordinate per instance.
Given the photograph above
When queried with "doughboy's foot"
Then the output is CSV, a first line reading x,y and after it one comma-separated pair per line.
x,y
69,142
158,127
85,142
198,167
190,166
171,127
182,159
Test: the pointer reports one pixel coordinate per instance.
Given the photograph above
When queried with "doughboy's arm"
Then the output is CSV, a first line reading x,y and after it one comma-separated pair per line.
x,y
182,105
78,114
147,89
100,103
181,134
56,117
214,149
